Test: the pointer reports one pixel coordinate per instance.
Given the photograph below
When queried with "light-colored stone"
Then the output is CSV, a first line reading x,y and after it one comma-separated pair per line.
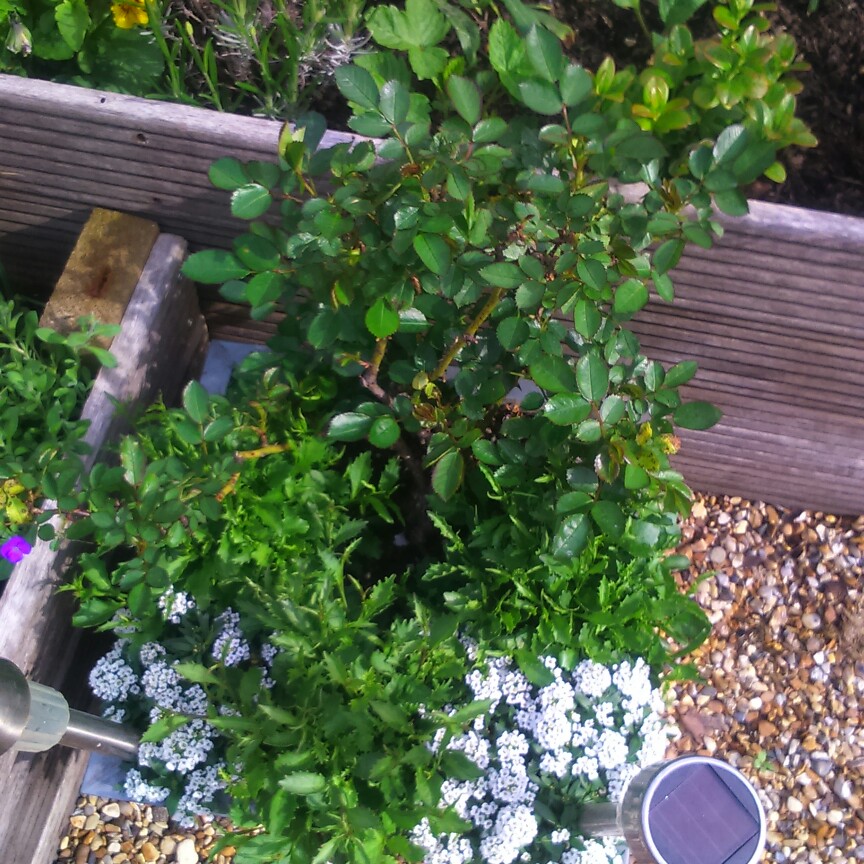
x,y
186,853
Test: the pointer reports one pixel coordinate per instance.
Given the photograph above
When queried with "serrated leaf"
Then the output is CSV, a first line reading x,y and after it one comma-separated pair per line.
x,y
503,274
544,53
303,783
394,102
541,96
512,332
586,318
697,415
381,320
553,374
250,201
609,518
630,297
257,253
466,98
214,266
357,86
667,255
571,536
448,474
680,373
576,84
490,129
592,376
196,401
433,251
349,426
384,432
566,409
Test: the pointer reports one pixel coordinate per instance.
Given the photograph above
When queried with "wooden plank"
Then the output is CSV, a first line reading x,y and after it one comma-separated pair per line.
x,y
162,334
102,270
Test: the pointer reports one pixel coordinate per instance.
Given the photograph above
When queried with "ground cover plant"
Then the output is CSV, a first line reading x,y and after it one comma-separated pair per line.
x,y
231,55
439,513
44,380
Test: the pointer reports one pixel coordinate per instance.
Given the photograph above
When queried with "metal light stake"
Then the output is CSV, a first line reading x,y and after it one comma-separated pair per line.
x,y
692,810
34,718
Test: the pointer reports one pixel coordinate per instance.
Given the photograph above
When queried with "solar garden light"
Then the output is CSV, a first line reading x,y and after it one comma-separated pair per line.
x,y
34,718
692,810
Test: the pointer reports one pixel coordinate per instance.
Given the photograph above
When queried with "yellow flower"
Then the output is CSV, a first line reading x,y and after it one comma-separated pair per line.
x,y
670,444
129,14
643,436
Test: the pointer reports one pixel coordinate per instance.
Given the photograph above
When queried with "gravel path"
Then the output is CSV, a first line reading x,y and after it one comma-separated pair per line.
x,y
783,678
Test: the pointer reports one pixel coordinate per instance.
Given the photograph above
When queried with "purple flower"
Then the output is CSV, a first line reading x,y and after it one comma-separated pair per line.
x,y
15,548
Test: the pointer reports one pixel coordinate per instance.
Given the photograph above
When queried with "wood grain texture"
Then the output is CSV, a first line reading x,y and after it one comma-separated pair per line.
x,y
162,333
772,313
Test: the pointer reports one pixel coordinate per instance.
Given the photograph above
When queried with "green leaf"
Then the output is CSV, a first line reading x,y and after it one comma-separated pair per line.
x,y
196,673
731,143
394,102
732,202
250,201
592,376
466,98
697,415
609,518
381,320
490,129
72,19
674,12
566,409
303,783
228,173
427,63
503,274
553,374
571,536
512,332
680,373
533,668
458,183
433,251
357,86
447,474
541,96
630,297
586,318
544,53
214,266
257,253
384,432
667,255
196,401
425,22
576,85
635,477
163,727
350,426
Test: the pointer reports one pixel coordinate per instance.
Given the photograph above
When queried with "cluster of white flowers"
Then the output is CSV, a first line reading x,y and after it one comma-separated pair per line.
x,y
590,730
112,679
230,647
174,605
137,789
202,786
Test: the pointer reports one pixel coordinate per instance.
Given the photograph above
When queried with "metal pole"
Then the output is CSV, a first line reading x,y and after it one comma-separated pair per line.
x,y
88,732
600,820
34,718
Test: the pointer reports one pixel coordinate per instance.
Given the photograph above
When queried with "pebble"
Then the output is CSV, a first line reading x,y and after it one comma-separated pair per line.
x,y
186,853
785,668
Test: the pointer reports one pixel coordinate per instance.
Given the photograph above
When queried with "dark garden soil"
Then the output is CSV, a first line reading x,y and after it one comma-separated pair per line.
x,y
830,39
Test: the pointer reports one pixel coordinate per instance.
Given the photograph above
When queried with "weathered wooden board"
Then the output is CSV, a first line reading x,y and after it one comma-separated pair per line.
x,y
771,313
162,333
65,150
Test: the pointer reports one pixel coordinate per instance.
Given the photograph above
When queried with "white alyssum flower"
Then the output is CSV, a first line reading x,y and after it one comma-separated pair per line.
x,y
112,678
594,726
230,647
174,605
137,789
